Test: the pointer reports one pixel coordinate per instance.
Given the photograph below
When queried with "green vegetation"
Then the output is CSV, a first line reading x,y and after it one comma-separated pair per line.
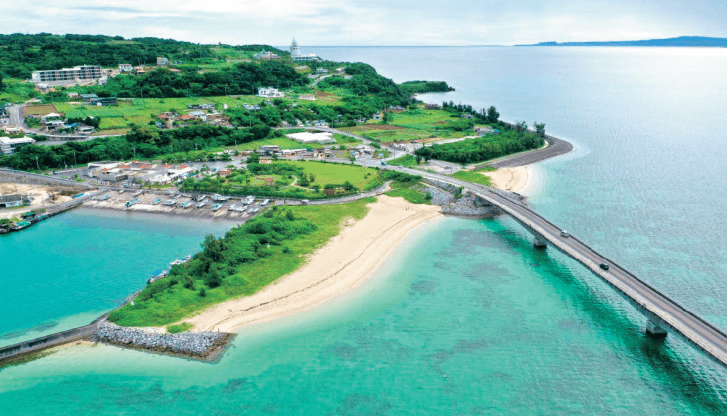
x,y
472,177
421,87
22,54
142,142
415,196
416,124
176,329
247,259
406,161
483,148
314,180
407,186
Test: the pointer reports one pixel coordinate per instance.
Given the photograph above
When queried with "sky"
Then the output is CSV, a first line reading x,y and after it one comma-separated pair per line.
x,y
371,22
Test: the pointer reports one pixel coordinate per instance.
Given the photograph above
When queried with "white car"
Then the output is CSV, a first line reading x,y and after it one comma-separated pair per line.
x,y
564,234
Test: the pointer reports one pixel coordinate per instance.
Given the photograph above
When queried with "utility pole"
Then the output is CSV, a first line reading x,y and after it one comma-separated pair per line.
x,y
36,163
75,162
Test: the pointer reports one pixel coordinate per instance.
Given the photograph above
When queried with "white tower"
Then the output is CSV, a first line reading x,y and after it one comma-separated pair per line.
x,y
294,49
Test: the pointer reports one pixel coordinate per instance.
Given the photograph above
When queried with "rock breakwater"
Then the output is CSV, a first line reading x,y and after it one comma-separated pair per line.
x,y
197,345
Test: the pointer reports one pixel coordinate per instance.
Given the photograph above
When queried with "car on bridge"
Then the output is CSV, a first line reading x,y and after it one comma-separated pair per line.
x,y
564,234
604,266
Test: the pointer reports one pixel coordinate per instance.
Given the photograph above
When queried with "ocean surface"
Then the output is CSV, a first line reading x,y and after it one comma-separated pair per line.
x,y
465,317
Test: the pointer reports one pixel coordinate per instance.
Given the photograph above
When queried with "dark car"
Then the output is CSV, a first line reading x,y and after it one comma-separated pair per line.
x,y
604,266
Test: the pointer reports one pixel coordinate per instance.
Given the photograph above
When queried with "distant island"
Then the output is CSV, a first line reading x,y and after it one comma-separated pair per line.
x,y
683,41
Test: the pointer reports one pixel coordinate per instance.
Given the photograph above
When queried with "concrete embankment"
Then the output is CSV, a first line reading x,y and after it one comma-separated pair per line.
x,y
556,147
27,347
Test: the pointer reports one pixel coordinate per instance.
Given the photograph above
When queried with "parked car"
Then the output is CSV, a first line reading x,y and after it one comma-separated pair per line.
x,y
604,266
564,234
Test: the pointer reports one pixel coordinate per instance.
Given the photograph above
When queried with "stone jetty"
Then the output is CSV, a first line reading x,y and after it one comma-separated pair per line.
x,y
197,345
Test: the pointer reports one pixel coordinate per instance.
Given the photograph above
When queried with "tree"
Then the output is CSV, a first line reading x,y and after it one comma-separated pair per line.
x,y
253,158
521,126
213,278
352,159
1,82
388,118
492,115
539,129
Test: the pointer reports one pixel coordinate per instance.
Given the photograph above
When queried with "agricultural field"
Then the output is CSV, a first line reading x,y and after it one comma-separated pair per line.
x,y
140,112
39,110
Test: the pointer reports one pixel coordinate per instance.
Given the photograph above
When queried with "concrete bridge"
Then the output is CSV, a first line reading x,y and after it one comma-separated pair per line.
x,y
663,314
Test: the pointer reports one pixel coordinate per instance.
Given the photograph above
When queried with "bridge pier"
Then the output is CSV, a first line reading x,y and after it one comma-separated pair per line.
x,y
654,329
539,242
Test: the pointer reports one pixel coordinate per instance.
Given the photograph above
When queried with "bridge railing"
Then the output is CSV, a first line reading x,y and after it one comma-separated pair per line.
x,y
648,286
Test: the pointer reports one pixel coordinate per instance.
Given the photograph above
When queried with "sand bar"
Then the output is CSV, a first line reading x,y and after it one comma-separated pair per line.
x,y
341,265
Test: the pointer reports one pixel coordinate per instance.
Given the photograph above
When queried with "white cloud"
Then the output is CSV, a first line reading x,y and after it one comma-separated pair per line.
x,y
372,22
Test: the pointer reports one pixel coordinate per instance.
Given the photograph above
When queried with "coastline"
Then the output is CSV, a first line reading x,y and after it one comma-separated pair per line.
x,y
514,179
341,265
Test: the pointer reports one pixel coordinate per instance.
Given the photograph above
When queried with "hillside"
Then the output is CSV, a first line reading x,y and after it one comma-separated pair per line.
x,y
682,41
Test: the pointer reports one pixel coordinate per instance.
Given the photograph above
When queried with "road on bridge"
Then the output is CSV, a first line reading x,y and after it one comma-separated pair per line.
x,y
660,309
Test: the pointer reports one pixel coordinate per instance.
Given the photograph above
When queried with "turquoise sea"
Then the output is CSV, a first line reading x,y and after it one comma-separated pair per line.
x,y
465,317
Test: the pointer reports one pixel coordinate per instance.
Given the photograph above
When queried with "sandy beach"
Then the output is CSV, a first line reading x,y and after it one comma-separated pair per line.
x,y
514,179
341,265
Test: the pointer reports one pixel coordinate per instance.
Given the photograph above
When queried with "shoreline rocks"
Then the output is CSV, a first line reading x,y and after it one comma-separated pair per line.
x,y
196,345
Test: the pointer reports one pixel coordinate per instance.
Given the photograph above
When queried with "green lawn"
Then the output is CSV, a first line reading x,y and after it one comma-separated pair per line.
x,y
406,161
173,303
473,177
412,195
334,173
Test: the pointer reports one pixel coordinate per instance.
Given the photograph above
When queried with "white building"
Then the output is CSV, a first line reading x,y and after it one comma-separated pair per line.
x,y
68,75
8,145
298,56
266,55
162,61
270,92
306,137
125,68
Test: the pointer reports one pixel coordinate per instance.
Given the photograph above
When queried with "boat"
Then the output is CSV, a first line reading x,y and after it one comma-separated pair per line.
x,y
103,198
201,204
186,204
132,202
170,202
215,207
220,198
265,202
248,200
139,192
121,191
159,200
201,198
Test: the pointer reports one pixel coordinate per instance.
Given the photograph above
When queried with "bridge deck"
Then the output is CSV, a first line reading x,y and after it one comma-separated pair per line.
x,y
647,299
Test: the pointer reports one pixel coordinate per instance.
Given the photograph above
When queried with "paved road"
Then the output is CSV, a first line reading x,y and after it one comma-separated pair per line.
x,y
652,303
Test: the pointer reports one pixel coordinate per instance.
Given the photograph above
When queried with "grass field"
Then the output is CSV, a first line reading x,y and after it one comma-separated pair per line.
x,y
406,161
334,173
410,125
177,302
412,195
473,177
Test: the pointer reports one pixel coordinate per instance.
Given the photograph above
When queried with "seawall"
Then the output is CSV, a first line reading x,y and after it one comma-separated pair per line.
x,y
52,340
